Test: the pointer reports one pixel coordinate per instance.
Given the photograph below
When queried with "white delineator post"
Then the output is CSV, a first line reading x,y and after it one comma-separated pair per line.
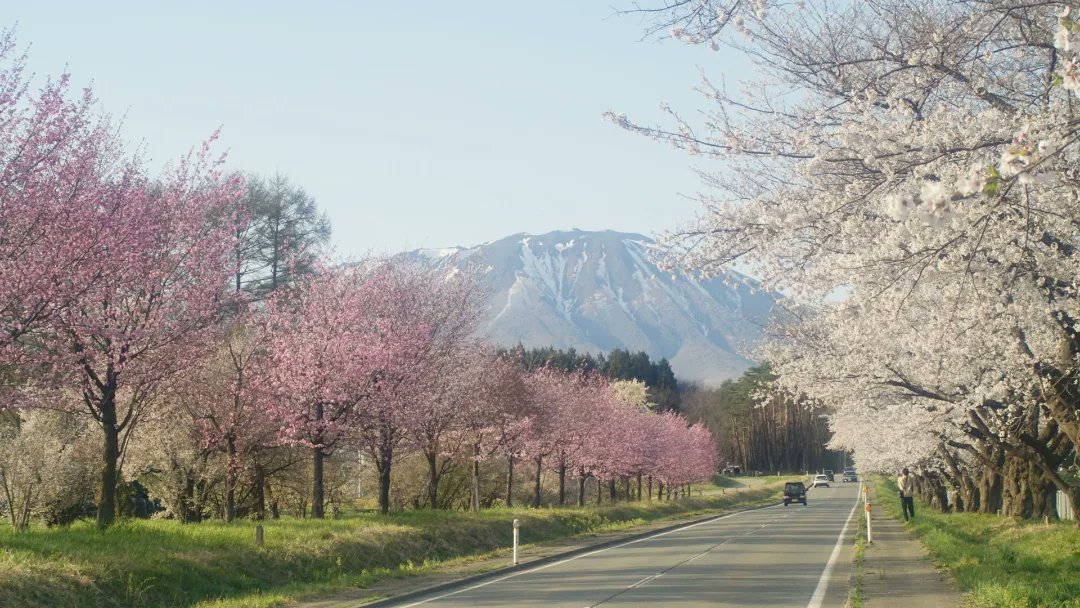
x,y
869,528
517,524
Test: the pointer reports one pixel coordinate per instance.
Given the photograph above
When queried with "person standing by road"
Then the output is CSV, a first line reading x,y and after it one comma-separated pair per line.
x,y
906,485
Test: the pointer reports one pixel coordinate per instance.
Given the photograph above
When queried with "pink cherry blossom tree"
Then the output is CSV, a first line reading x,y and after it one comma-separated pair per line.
x,y
226,399
449,306
109,274
433,314
341,348
147,317
591,416
494,414
549,388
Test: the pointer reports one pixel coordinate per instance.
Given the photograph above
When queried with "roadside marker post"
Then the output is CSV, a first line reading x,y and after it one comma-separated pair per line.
x,y
869,527
259,535
517,524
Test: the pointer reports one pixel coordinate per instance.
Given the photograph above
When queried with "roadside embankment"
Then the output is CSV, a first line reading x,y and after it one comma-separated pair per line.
x,y
163,563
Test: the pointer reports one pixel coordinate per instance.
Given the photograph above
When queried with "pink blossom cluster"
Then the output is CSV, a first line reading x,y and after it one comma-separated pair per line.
x,y
580,424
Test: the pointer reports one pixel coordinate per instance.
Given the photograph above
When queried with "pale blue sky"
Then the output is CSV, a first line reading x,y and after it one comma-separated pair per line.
x,y
413,124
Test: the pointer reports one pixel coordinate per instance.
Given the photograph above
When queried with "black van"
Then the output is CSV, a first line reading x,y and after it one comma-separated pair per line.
x,y
794,491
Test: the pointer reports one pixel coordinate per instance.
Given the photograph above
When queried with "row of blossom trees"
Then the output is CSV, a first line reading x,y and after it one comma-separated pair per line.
x,y
904,172
122,302
379,357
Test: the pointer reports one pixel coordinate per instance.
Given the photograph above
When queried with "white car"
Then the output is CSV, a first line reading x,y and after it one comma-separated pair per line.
x,y
821,481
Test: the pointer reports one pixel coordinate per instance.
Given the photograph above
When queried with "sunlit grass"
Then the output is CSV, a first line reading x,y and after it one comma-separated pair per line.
x,y
214,564
856,596
1001,562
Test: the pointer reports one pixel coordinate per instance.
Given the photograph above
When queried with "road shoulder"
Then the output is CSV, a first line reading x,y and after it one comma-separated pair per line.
x,y
896,571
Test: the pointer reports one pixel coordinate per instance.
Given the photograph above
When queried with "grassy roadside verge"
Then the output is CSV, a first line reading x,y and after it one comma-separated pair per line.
x,y
999,562
855,598
162,563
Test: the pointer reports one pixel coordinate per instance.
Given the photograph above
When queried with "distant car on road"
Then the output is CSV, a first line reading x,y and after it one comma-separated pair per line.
x,y
829,474
850,476
794,491
821,481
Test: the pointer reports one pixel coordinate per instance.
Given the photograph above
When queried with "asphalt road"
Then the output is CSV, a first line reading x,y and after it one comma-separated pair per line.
x,y
775,556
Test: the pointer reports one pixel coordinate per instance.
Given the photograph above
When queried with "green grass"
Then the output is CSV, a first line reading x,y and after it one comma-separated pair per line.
x,y
142,563
723,482
999,562
856,598
720,481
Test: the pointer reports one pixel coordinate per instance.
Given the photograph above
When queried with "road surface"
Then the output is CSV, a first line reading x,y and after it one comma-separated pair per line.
x,y
777,556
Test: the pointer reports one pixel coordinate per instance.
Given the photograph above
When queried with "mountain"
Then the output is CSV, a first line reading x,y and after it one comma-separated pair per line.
x,y
596,291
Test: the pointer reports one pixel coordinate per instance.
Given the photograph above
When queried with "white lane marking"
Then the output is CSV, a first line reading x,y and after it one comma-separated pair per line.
x,y
645,580
666,570
823,582
570,559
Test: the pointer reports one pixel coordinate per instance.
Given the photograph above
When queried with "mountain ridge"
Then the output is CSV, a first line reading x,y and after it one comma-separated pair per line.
x,y
599,290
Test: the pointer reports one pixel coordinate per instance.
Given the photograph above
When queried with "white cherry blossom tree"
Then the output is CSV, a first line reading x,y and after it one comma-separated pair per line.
x,y
904,172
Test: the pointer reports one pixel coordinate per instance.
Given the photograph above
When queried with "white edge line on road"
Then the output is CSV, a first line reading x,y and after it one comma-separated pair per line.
x,y
823,582
570,559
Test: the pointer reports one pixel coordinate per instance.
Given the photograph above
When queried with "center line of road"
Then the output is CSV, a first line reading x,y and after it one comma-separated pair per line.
x,y
645,580
666,570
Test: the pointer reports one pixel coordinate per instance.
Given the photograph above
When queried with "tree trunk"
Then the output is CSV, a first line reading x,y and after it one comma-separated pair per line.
x,y
1073,496
230,479
9,496
317,488
639,487
260,492
510,481
958,479
106,513
581,487
275,504
433,479
1063,402
474,502
650,488
611,488
1028,491
536,495
562,482
382,465
317,469
599,491
989,491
